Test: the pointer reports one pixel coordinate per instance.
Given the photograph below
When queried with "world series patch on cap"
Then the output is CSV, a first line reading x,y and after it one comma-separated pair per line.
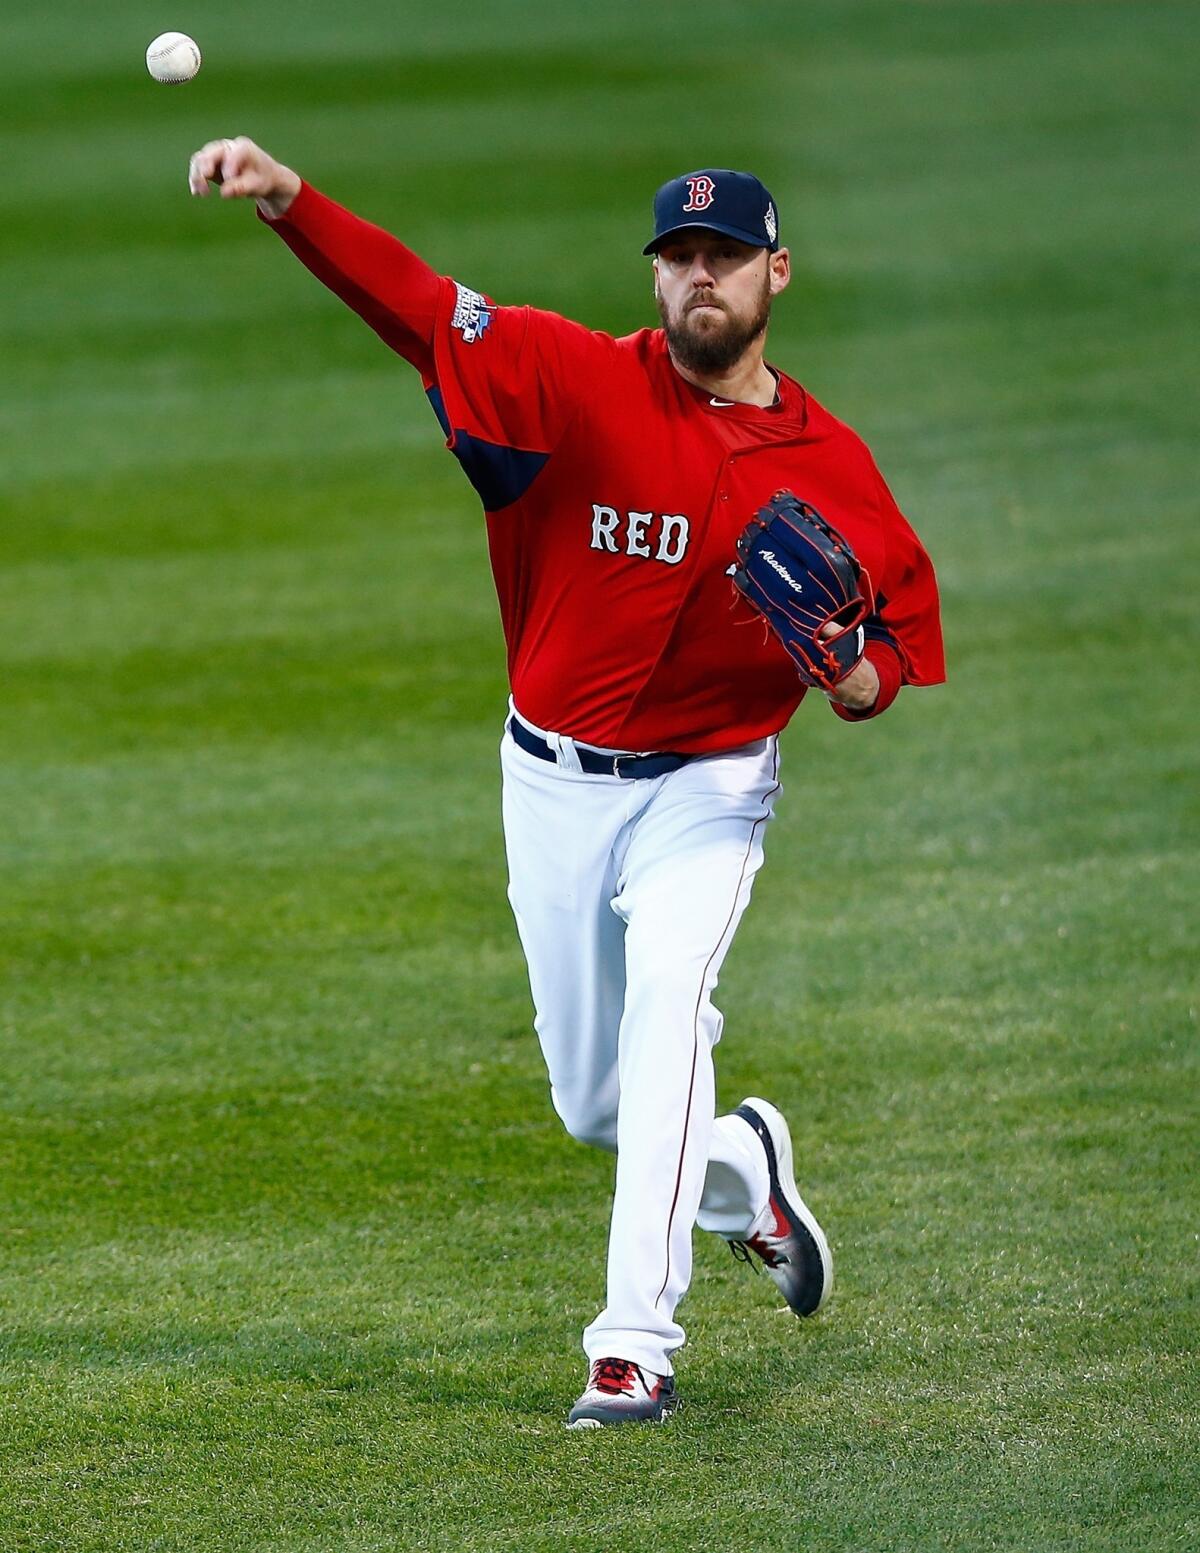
x,y
721,200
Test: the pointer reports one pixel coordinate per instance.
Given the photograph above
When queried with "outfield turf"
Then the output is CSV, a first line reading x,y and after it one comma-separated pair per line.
x,y
295,1255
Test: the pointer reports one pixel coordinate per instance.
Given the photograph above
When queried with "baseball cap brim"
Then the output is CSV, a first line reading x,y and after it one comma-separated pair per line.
x,y
753,239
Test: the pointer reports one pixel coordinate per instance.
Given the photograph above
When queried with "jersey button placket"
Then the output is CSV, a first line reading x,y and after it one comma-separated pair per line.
x,y
728,472
724,477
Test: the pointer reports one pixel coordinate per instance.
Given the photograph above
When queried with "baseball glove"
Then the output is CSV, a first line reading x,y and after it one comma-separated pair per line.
x,y
801,576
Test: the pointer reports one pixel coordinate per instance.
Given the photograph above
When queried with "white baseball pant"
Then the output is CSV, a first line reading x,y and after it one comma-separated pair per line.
x,y
627,894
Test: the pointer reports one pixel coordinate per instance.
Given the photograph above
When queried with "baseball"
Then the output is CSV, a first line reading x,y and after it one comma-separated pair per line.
x,y
173,58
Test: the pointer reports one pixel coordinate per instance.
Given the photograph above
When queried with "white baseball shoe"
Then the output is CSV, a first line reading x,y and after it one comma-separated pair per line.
x,y
792,1246
620,1392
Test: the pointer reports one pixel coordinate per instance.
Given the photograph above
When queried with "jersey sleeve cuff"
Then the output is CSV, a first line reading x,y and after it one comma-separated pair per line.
x,y
887,666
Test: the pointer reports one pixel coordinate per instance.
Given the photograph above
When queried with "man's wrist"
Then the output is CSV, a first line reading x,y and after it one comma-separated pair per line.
x,y
275,206
859,691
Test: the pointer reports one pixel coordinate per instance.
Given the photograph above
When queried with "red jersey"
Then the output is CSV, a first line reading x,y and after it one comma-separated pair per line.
x,y
615,491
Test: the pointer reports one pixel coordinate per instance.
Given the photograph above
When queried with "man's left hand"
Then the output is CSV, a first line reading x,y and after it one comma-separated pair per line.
x,y
860,689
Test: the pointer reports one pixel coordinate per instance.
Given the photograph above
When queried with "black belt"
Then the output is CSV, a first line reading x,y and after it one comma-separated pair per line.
x,y
594,763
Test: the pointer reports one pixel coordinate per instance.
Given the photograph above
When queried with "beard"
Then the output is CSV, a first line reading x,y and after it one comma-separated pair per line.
x,y
711,343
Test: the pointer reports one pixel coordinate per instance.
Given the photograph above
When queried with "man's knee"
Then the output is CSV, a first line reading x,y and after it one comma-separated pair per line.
x,y
587,1121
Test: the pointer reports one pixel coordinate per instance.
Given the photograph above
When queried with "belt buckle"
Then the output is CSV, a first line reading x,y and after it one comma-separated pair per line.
x,y
630,755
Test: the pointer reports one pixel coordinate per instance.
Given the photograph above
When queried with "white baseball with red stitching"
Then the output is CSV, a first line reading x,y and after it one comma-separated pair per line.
x,y
173,58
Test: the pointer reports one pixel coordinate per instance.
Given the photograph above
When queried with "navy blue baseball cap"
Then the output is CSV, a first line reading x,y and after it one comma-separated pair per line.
x,y
736,204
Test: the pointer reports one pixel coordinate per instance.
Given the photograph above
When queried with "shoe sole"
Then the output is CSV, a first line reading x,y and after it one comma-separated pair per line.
x,y
781,1141
624,1418
614,1423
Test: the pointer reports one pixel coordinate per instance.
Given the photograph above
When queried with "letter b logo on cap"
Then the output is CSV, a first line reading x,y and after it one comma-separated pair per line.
x,y
701,192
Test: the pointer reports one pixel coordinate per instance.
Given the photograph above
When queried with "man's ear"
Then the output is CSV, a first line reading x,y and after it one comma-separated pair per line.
x,y
780,266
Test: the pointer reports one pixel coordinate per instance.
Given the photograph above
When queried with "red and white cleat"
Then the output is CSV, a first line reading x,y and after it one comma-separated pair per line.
x,y
792,1245
620,1392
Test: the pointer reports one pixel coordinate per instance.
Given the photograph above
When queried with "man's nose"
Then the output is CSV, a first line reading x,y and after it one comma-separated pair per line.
x,y
701,274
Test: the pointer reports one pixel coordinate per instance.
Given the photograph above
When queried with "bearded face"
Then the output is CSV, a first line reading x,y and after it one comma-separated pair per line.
x,y
709,332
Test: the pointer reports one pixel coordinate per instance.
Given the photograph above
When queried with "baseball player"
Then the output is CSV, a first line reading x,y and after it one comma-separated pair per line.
x,y
640,758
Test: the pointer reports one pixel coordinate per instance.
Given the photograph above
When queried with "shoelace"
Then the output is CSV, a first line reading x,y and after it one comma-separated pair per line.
x,y
742,1248
613,1375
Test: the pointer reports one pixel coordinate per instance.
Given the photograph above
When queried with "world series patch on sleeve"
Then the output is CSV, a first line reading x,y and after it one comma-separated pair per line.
x,y
800,574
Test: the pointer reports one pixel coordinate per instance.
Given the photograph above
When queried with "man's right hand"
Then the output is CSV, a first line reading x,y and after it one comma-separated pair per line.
x,y
244,171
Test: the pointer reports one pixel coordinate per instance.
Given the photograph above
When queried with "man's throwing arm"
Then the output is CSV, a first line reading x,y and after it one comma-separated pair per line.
x,y
385,283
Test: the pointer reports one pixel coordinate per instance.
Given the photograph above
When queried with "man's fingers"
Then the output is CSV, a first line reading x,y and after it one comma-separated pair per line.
x,y
220,161
244,171
197,182
831,628
233,166
243,175
206,164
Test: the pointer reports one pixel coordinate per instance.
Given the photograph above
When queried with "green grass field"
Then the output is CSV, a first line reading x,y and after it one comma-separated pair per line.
x,y
295,1255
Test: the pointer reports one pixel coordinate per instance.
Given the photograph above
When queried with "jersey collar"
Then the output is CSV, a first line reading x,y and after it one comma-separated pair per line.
x,y
790,405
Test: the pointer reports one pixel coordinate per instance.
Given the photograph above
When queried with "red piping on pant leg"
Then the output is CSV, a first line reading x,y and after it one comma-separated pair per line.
x,y
687,1115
